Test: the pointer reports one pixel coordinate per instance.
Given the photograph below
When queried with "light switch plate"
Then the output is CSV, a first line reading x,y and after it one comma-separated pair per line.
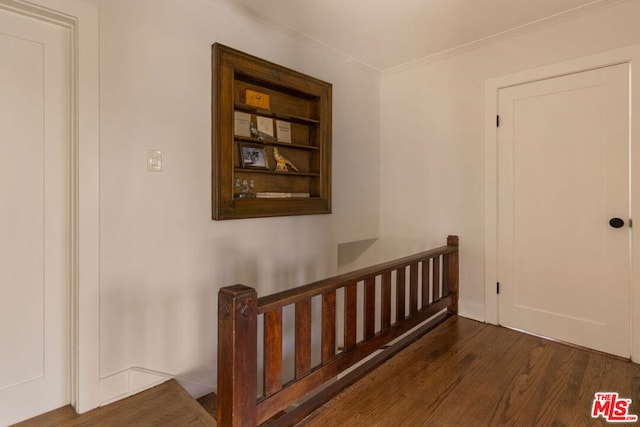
x,y
154,161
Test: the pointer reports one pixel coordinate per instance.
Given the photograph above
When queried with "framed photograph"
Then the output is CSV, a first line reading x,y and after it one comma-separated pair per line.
x,y
253,156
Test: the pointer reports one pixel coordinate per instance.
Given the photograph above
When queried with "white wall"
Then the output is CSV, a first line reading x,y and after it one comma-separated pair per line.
x,y
419,175
162,257
432,138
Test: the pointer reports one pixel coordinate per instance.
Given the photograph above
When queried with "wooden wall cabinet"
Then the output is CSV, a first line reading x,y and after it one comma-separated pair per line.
x,y
300,102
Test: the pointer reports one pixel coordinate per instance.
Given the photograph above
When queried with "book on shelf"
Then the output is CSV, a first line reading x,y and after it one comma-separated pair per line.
x,y
241,124
265,125
280,195
284,131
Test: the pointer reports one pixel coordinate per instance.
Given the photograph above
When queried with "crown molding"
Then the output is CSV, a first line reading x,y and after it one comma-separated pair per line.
x,y
438,56
301,37
503,35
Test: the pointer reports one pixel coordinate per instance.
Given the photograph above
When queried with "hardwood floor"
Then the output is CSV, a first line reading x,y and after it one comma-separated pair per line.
x,y
165,405
463,373
466,373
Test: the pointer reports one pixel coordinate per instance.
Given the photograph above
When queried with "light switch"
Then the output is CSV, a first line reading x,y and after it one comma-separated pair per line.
x,y
154,161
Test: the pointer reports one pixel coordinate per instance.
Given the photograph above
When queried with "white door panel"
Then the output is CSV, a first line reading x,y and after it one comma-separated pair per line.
x,y
34,217
563,162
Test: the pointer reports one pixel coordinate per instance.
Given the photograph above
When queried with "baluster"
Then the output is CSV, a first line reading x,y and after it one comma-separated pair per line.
x,y
445,275
385,304
435,283
272,351
328,326
350,315
369,308
303,338
413,289
400,294
425,283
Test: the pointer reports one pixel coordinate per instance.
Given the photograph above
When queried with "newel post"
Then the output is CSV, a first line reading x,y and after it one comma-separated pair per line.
x,y
452,271
237,356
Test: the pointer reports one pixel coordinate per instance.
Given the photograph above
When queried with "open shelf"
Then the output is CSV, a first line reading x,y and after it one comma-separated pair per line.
x,y
275,143
274,115
291,120
274,172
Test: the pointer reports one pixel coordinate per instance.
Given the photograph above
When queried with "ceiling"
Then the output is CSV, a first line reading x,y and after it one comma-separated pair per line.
x,y
386,34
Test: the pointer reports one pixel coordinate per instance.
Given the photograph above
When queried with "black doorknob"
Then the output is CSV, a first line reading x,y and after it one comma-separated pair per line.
x,y
616,222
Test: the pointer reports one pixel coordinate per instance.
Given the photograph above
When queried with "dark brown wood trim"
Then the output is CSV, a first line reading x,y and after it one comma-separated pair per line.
x,y
237,336
237,356
291,296
317,400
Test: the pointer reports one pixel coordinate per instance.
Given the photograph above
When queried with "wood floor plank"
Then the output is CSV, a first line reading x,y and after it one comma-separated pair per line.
x,y
462,373
472,374
167,404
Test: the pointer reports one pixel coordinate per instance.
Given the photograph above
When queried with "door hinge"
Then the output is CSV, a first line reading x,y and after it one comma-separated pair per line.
x,y
497,121
630,223
497,287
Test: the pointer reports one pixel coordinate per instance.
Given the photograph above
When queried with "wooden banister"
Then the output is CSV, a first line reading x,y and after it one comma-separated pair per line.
x,y
291,296
433,274
237,356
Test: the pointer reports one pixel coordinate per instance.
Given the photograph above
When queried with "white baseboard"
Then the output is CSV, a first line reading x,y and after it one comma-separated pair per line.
x,y
127,383
471,310
196,387
131,381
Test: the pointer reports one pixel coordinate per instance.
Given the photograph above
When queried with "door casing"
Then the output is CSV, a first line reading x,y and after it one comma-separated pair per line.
x,y
629,55
81,18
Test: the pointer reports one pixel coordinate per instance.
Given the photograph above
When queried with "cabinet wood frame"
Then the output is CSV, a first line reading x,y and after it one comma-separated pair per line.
x,y
291,92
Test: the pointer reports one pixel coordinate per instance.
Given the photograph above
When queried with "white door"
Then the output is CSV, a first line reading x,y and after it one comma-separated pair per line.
x,y
563,173
35,217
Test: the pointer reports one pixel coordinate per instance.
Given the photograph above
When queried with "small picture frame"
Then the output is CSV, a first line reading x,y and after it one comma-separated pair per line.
x,y
253,156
